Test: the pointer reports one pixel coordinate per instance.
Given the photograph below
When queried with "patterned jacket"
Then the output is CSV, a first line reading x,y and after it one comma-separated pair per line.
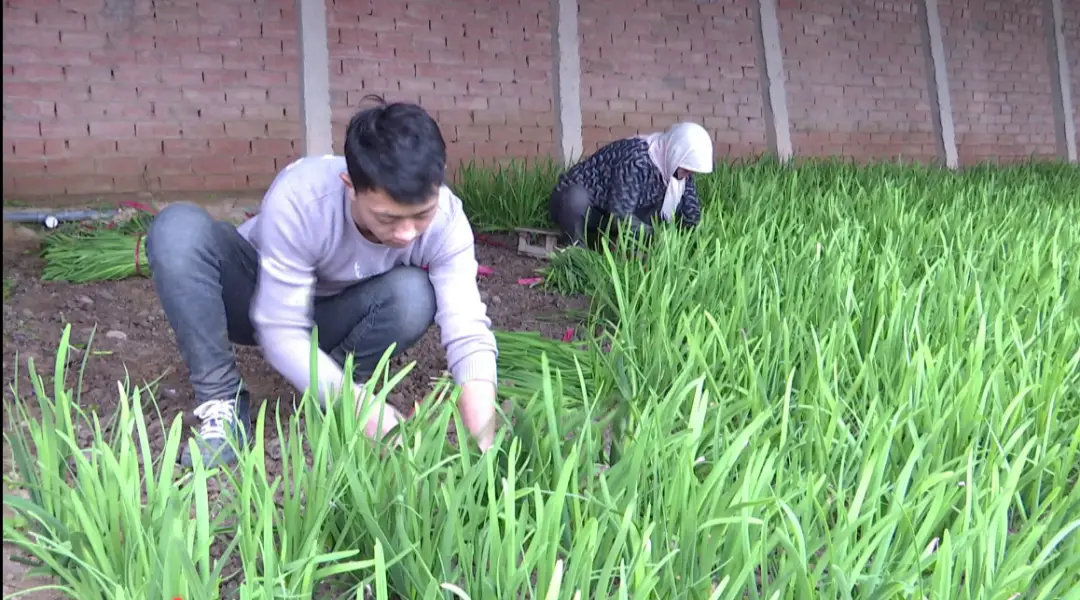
x,y
624,182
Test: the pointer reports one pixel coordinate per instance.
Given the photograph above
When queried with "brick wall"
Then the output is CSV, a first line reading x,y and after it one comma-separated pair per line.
x,y
482,69
661,61
147,96
857,79
165,95
999,78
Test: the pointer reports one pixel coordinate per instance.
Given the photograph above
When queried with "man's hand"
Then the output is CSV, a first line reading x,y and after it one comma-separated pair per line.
x,y
390,419
477,406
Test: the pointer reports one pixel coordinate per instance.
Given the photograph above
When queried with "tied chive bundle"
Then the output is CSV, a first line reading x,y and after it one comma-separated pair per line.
x,y
83,255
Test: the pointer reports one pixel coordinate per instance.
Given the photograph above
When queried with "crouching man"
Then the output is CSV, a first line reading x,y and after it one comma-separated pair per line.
x,y
341,243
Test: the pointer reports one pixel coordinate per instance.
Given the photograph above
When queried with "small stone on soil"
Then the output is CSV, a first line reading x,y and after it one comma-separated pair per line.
x,y
114,334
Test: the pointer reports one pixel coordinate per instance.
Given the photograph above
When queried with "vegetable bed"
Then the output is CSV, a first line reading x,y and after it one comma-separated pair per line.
x,y
848,382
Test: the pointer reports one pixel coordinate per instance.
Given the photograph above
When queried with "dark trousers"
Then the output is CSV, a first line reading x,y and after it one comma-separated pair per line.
x,y
205,274
572,210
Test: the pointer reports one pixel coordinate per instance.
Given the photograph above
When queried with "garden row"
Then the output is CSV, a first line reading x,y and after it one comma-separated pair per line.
x,y
848,382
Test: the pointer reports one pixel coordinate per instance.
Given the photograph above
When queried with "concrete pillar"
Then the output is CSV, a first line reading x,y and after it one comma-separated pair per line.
x,y
937,81
1060,81
566,69
314,78
773,90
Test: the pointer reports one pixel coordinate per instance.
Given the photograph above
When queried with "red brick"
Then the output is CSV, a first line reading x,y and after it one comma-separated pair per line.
x,y
260,181
243,60
112,129
197,60
27,166
64,129
261,46
123,166
271,147
230,147
208,165
27,148
168,165
289,129
278,95
158,93
157,130
203,95
255,164
26,109
472,133
83,147
157,57
39,73
113,92
208,130
139,147
36,91
86,74
172,76
19,19
225,181
245,129
217,77
221,112
54,148
471,102
93,184
32,184
82,39
244,95
130,183
266,78
283,29
28,40
217,44
184,147
182,183
484,117
70,166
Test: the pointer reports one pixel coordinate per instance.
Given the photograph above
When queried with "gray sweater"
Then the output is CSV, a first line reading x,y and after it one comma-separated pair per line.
x,y
309,246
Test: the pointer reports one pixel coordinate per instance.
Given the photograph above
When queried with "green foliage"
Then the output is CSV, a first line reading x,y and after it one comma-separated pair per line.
x,y
848,382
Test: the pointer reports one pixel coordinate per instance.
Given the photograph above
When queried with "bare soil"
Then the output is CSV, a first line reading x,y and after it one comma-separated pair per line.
x,y
134,341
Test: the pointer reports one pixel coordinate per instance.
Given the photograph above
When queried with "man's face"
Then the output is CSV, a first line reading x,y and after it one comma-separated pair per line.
x,y
386,222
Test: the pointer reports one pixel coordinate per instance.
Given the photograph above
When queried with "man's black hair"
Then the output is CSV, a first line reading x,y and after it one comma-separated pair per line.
x,y
396,148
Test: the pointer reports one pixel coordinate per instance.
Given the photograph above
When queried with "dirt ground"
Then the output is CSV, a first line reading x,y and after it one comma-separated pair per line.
x,y
134,338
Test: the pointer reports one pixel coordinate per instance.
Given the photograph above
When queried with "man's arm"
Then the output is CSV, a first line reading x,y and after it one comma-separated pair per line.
x,y
282,308
466,329
689,211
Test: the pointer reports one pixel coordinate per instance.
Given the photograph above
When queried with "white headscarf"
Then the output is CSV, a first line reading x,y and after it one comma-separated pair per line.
x,y
683,145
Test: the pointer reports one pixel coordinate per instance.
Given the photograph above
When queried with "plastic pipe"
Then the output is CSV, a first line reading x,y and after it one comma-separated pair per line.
x,y
39,216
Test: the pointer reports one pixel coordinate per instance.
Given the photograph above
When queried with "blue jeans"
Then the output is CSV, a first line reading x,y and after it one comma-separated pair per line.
x,y
205,275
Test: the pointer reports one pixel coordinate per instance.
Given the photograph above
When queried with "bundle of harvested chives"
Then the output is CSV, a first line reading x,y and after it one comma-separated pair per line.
x,y
84,254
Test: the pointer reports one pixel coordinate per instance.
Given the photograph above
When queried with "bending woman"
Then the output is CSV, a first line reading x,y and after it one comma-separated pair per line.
x,y
631,181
